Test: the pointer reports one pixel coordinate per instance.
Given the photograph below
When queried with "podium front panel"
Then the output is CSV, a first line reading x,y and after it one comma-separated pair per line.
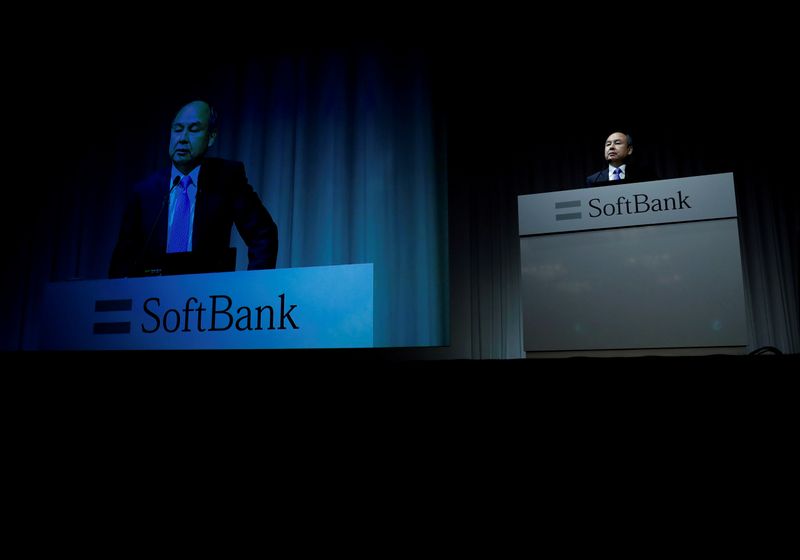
x,y
313,307
644,286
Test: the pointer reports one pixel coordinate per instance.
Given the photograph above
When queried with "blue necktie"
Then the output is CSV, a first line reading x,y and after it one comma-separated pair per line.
x,y
616,174
179,232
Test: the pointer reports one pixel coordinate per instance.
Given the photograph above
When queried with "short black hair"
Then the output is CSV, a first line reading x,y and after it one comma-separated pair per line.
x,y
213,116
627,136
213,119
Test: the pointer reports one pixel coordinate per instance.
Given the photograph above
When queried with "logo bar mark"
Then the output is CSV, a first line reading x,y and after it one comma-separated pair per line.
x,y
113,305
568,215
112,328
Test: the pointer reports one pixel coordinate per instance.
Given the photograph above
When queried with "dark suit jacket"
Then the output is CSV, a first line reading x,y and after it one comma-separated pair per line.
x,y
223,198
635,172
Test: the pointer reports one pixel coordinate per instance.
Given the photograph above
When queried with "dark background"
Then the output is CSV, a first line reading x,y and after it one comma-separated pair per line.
x,y
524,109
528,100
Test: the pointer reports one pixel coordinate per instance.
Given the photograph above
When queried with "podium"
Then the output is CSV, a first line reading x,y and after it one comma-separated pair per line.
x,y
314,307
631,269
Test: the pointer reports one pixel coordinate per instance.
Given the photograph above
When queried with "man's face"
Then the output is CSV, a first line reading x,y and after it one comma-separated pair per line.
x,y
190,137
617,149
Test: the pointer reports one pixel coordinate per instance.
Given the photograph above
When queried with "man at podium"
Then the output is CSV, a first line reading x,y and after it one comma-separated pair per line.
x,y
188,210
617,152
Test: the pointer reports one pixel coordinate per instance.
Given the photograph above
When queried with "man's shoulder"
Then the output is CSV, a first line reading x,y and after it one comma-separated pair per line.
x,y
218,173
221,171
217,164
599,177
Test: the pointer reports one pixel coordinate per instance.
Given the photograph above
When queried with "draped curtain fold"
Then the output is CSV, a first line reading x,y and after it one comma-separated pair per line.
x,y
343,147
539,153
390,158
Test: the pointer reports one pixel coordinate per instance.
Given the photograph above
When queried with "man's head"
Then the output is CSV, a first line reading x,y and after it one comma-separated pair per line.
x,y
618,147
194,130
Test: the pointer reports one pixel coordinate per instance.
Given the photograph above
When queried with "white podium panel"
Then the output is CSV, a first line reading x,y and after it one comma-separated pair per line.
x,y
638,266
314,307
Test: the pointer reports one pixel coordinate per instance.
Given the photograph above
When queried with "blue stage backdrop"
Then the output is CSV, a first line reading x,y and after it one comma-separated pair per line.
x,y
344,148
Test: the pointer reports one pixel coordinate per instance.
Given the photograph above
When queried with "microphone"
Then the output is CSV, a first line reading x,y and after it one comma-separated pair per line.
x,y
175,182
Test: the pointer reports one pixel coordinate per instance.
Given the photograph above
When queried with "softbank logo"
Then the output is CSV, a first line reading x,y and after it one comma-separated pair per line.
x,y
638,203
112,327
218,313
572,215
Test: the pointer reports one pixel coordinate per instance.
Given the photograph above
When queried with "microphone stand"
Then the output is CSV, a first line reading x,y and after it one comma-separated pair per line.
x,y
175,182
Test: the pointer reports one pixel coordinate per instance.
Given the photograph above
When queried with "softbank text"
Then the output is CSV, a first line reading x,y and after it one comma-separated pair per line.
x,y
641,203
217,317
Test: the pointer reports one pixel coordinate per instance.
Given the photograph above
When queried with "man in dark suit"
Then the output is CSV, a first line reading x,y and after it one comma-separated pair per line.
x,y
192,207
621,167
